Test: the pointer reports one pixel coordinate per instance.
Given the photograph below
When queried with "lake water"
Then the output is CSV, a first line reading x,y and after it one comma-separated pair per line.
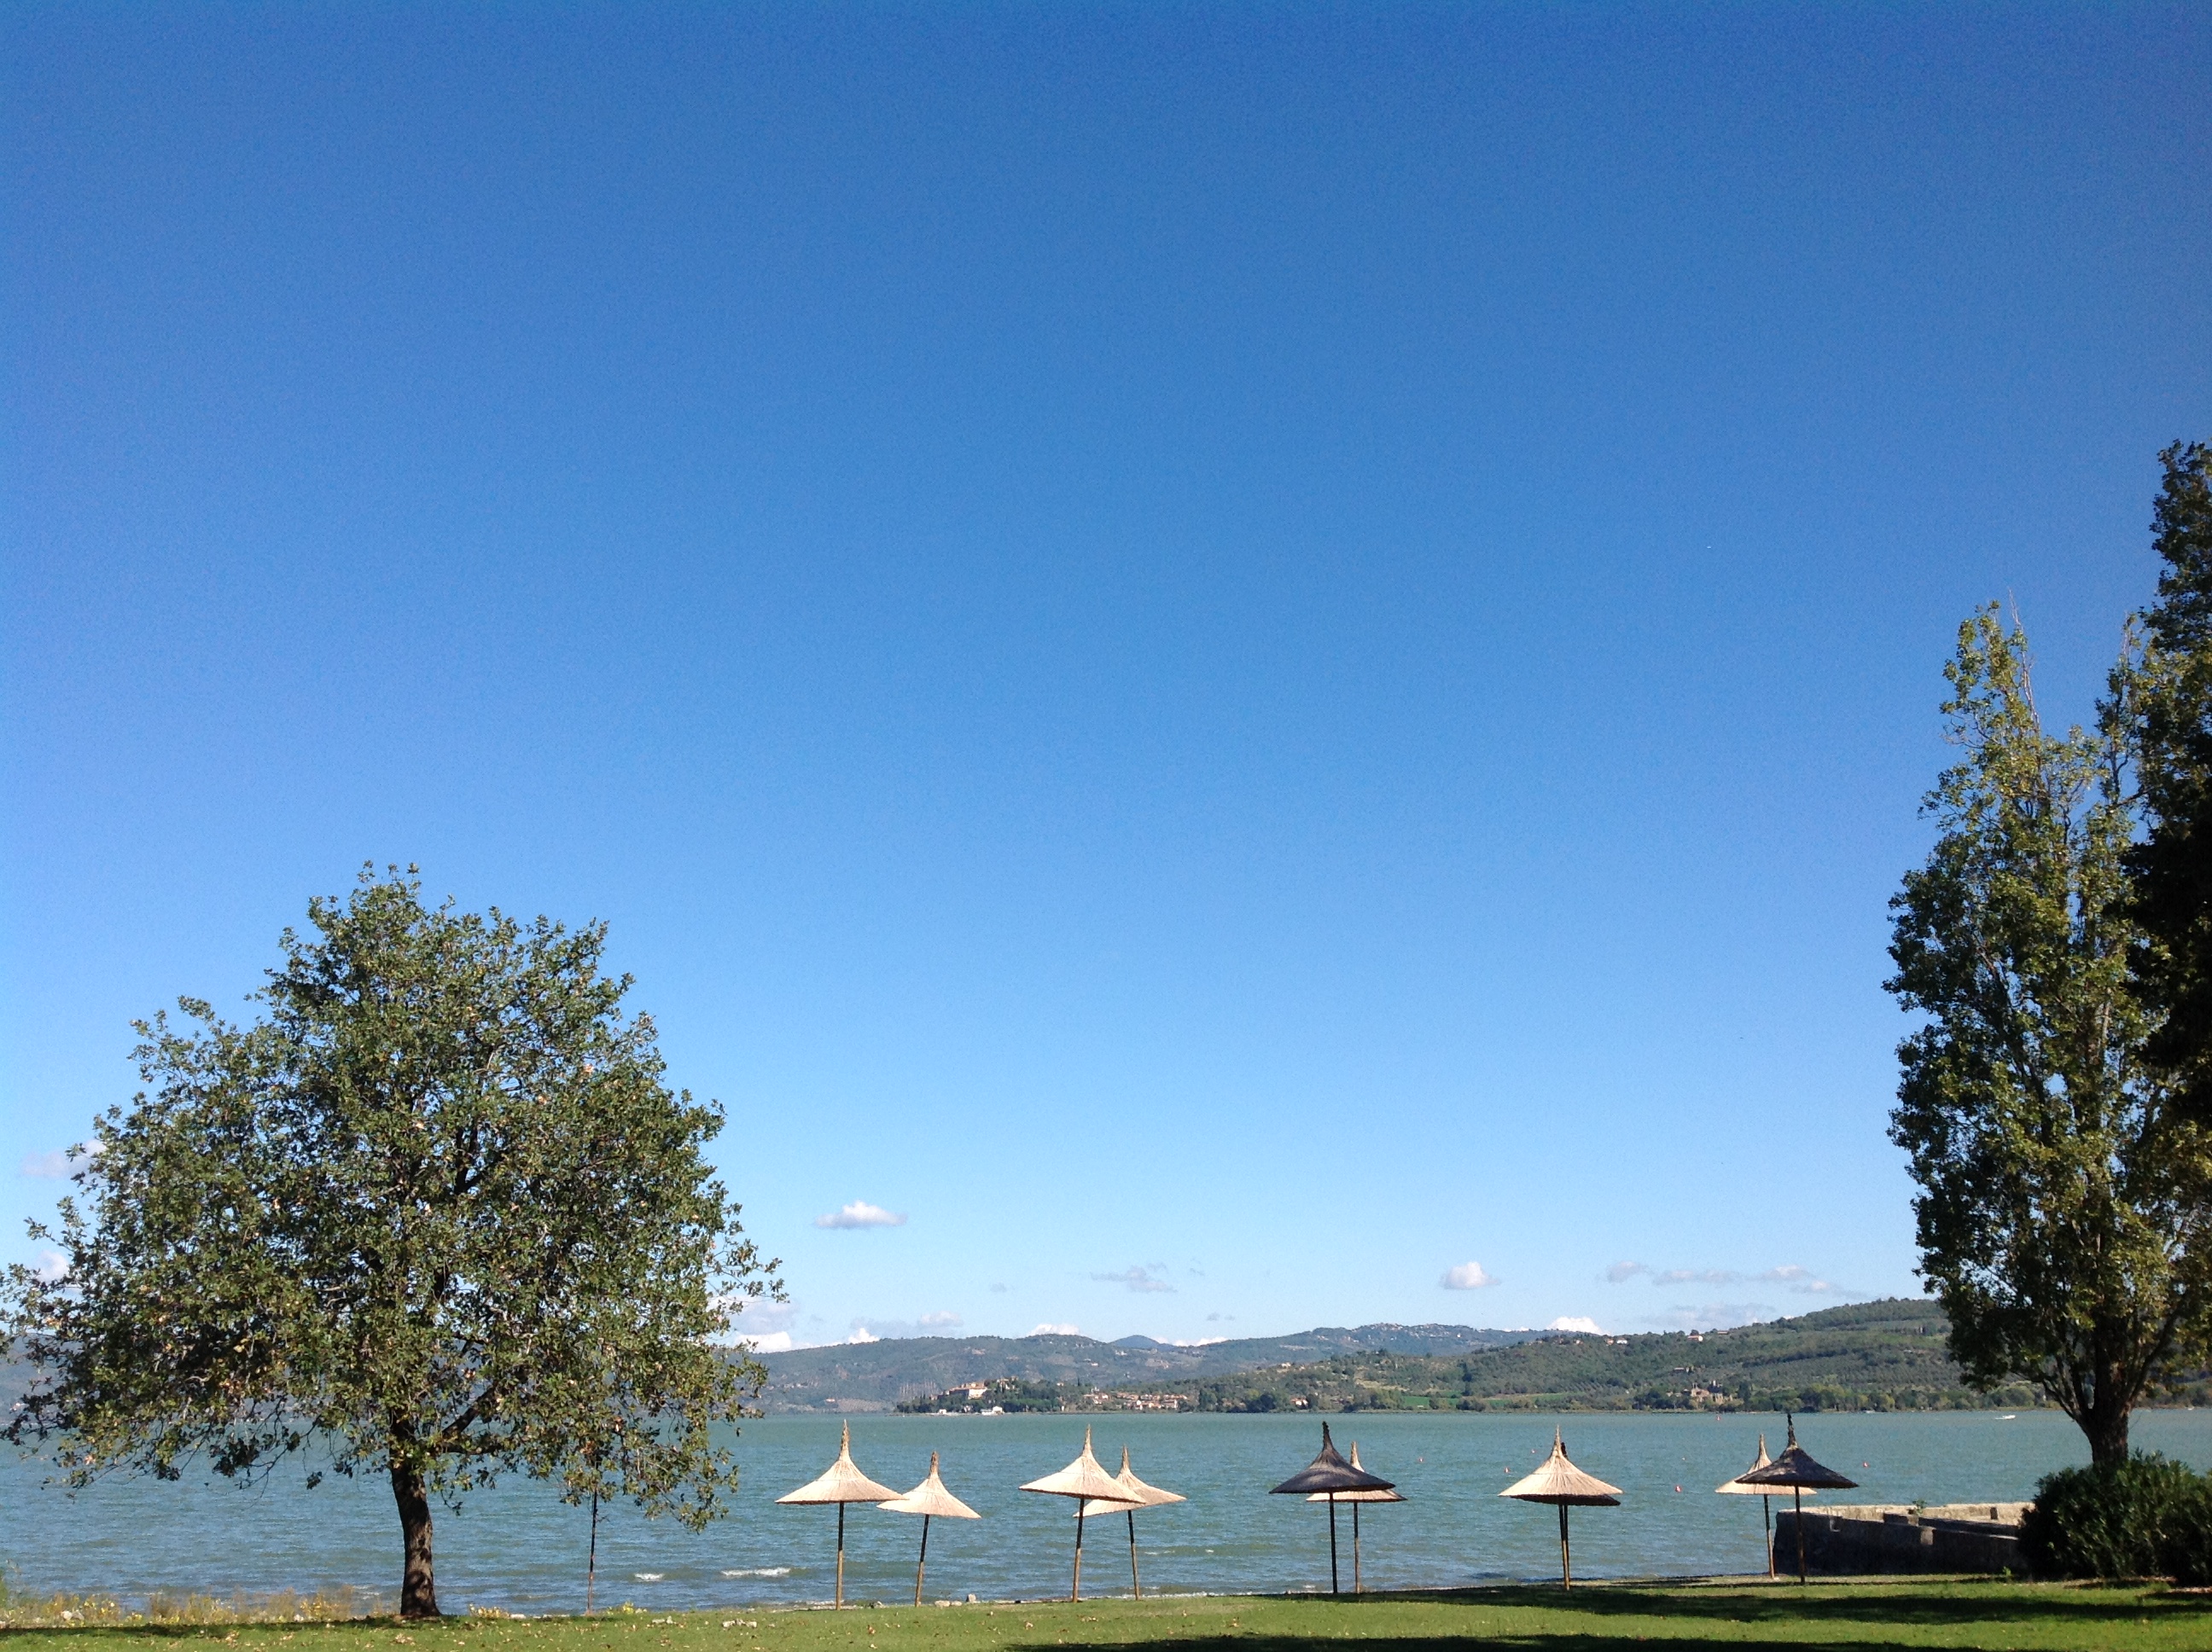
x,y
521,1549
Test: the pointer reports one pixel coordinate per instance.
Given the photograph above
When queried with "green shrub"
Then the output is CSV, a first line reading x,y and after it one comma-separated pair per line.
x,y
2189,1536
2135,1520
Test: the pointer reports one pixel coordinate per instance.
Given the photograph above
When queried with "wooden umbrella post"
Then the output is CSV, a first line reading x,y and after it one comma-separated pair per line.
x,y
1357,1588
923,1562
1798,1493
1333,1589
1135,1586
840,1602
1075,1589
1767,1503
1566,1554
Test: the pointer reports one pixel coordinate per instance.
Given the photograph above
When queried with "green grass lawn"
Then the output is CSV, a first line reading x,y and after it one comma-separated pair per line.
x,y
1591,1618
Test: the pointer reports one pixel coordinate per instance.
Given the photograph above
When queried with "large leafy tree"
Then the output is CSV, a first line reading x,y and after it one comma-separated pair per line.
x,y
2172,865
434,1216
2065,1203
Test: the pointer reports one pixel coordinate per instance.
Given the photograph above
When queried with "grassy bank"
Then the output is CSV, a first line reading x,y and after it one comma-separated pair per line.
x,y
1977,1615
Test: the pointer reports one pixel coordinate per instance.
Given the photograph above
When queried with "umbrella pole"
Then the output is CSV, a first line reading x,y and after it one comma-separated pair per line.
x,y
1332,1544
1798,1492
923,1561
591,1563
1766,1502
1356,1588
840,1605
1566,1554
1136,1586
1075,1591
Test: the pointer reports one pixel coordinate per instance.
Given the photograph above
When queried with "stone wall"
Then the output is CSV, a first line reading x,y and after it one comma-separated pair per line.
x,y
1874,1538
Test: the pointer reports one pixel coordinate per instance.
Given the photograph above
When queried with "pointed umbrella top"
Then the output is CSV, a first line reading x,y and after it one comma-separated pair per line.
x,y
844,1482
1330,1473
1137,1491
1357,1497
1795,1467
1084,1477
1560,1481
931,1498
1736,1487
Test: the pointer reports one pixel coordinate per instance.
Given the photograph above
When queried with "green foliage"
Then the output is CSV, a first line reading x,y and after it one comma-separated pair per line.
x,y
2064,1200
435,1216
2143,1516
2172,865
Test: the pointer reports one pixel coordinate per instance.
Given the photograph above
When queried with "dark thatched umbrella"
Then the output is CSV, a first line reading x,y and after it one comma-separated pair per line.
x,y
1330,1474
1560,1482
1355,1498
1736,1488
1795,1469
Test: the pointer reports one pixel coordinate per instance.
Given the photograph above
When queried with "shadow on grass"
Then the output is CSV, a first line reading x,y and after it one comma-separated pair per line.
x,y
1897,1605
213,1631
1840,1618
1538,1640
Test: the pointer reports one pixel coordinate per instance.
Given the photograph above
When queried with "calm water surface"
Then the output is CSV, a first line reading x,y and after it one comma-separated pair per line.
x,y
521,1549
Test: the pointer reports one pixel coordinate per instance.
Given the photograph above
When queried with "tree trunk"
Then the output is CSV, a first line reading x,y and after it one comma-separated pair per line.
x,y
418,1590
2106,1423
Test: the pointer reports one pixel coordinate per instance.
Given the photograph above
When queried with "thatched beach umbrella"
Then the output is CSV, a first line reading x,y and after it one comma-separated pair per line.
x,y
1331,1476
1560,1482
1355,1498
1139,1496
1087,1483
843,1484
927,1499
1736,1488
1795,1469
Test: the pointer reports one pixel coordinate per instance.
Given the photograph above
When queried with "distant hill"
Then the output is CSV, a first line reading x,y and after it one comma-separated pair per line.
x,y
1880,1356
1883,1356
873,1375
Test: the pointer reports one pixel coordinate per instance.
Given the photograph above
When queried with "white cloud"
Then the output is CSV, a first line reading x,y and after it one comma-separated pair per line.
x,y
1051,1330
1799,1279
1711,1315
775,1342
1191,1342
862,1335
861,1214
1136,1278
767,1314
51,1267
1789,1275
1468,1276
54,1167
1575,1322
935,1320
1217,1318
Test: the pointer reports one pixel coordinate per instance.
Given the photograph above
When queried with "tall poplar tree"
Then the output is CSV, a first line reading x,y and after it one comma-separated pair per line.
x,y
2172,865
2065,1204
435,1216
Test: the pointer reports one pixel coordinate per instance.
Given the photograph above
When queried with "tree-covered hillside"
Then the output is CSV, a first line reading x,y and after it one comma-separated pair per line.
x,y
848,1376
1879,1356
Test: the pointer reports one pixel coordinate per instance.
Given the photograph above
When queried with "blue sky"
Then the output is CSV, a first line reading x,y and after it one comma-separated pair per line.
x,y
1233,658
